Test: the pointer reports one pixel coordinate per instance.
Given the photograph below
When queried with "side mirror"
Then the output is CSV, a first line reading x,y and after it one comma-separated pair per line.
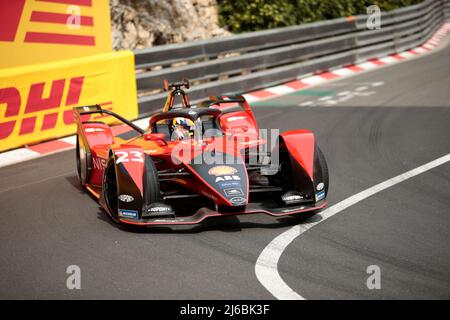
x,y
155,137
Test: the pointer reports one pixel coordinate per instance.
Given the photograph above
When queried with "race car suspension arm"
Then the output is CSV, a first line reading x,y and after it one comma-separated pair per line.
x,y
101,111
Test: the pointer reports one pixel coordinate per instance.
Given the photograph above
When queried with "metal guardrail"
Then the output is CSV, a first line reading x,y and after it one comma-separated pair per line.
x,y
250,61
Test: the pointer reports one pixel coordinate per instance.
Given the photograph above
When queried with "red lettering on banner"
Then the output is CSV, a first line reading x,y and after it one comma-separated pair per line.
x,y
27,126
61,18
37,103
73,96
68,117
74,2
10,14
49,121
11,97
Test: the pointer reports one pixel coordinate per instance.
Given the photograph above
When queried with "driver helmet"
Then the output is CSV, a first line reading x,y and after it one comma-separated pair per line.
x,y
182,128
184,122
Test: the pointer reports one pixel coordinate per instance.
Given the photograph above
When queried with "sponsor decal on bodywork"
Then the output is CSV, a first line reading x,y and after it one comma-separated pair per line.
x,y
238,200
229,184
128,213
99,163
158,210
233,192
235,118
229,181
320,195
293,197
228,178
222,170
126,198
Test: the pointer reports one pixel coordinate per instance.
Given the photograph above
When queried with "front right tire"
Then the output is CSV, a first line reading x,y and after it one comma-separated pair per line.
x,y
324,166
111,189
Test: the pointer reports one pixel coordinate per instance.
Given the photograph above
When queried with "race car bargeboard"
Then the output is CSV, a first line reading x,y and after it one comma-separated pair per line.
x,y
195,162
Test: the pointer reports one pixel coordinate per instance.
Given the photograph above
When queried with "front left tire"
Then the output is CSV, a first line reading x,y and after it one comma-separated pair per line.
x,y
84,162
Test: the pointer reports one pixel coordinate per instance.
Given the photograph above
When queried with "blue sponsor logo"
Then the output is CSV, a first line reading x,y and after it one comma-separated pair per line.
x,y
128,213
320,195
229,184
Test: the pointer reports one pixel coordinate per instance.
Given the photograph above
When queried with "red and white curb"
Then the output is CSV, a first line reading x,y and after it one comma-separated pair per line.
x,y
347,71
54,146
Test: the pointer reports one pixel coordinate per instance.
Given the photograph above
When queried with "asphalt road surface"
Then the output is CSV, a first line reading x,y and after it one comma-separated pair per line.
x,y
370,127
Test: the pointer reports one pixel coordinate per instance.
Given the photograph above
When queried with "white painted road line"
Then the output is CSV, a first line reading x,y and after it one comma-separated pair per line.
x,y
266,267
306,103
343,93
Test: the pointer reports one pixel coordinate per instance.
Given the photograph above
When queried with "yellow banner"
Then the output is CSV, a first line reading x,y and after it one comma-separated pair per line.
x,y
36,31
36,101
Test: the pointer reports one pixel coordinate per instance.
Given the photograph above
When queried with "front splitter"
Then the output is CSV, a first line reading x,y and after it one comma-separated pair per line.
x,y
204,213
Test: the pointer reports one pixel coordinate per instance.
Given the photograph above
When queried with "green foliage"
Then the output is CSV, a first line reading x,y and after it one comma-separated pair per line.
x,y
252,15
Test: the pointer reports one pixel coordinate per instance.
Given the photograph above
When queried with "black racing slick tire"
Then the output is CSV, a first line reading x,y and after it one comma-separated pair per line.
x,y
84,162
110,188
151,182
324,166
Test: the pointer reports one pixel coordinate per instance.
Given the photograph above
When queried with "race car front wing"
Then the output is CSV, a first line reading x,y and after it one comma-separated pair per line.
x,y
203,213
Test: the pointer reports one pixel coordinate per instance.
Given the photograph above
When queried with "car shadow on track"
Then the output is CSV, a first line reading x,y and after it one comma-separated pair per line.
x,y
73,180
224,224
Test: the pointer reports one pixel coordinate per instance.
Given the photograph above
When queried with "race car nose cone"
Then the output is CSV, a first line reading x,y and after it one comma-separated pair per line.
x,y
227,178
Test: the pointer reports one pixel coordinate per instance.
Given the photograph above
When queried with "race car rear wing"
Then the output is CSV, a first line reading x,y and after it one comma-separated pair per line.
x,y
96,109
229,103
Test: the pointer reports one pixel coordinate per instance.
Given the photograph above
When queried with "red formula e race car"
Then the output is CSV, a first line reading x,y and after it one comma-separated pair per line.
x,y
195,162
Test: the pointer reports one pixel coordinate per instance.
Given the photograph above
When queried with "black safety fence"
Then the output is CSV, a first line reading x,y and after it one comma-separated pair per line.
x,y
250,61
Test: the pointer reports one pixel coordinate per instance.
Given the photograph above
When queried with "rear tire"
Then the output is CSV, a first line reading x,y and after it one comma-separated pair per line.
x,y
84,163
